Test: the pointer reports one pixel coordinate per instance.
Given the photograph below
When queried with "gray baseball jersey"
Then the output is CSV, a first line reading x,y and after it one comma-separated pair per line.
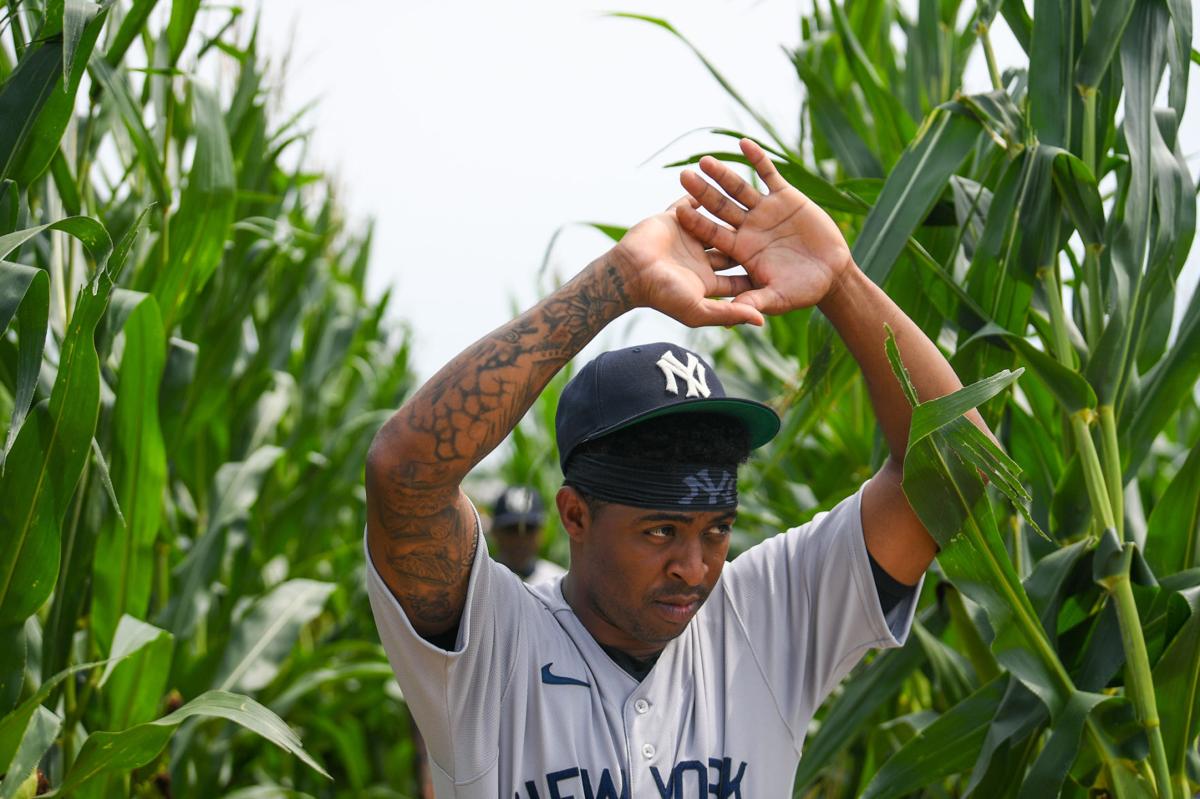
x,y
529,706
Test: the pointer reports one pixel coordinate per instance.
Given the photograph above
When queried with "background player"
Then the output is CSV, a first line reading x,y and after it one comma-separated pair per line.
x,y
518,522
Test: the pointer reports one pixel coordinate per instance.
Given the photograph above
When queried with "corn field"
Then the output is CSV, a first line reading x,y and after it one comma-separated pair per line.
x,y
191,372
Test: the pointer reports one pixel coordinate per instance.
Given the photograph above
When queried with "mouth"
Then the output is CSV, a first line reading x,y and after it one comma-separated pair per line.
x,y
678,609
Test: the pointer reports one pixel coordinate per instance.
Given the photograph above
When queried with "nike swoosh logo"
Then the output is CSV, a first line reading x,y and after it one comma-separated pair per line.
x,y
554,679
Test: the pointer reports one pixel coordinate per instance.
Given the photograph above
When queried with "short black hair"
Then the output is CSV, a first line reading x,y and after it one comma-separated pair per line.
x,y
678,438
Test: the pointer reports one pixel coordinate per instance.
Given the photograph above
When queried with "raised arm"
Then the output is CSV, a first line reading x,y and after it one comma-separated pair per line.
x,y
796,257
420,528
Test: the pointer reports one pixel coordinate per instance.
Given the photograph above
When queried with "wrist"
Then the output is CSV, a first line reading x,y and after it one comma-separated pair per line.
x,y
619,272
841,291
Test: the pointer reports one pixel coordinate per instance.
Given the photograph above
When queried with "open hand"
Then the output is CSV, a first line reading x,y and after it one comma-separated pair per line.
x,y
667,269
793,253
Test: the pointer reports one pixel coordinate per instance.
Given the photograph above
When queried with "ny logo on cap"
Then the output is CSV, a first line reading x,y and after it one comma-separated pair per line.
x,y
692,373
702,482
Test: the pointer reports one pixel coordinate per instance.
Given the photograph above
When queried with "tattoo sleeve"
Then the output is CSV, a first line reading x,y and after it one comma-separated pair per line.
x,y
420,527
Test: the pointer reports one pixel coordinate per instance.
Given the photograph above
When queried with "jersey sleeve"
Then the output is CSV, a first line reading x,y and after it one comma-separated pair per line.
x,y
455,695
807,603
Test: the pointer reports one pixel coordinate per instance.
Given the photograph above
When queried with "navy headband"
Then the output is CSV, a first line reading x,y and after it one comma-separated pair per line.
x,y
660,486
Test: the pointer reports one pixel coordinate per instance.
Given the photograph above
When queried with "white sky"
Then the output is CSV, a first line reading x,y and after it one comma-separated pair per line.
x,y
471,131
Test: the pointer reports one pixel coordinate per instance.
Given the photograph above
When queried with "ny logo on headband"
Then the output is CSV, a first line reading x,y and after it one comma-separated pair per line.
x,y
692,373
716,491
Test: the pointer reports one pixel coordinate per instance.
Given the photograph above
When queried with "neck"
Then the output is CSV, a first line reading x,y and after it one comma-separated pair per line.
x,y
601,628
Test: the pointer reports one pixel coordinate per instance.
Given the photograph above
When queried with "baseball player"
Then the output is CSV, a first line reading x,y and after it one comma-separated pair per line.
x,y
653,668
518,519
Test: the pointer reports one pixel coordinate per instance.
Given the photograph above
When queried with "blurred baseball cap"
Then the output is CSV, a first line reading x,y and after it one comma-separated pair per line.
x,y
519,505
622,387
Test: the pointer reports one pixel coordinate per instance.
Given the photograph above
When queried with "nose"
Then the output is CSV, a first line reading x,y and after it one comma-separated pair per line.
x,y
687,564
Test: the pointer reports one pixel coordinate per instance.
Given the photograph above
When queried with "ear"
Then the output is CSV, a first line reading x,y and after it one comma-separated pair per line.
x,y
573,512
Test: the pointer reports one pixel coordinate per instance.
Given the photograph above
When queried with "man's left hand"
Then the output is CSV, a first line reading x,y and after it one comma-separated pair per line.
x,y
793,252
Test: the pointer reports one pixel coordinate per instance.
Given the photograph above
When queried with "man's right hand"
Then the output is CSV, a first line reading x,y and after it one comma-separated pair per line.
x,y
665,268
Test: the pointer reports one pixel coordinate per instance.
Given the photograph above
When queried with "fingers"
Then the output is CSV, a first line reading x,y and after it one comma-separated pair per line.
x,y
712,198
765,300
719,260
705,230
730,285
715,312
763,165
730,181
686,201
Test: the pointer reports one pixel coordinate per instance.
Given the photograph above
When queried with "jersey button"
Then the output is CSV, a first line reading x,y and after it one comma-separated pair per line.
x,y
641,706
648,750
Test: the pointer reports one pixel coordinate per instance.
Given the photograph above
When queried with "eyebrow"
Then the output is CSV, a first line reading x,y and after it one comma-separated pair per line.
x,y
682,518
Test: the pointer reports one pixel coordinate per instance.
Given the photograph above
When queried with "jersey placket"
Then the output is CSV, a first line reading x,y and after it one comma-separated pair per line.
x,y
645,748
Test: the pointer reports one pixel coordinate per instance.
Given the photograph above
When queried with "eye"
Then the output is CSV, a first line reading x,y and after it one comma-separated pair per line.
x,y
720,530
663,531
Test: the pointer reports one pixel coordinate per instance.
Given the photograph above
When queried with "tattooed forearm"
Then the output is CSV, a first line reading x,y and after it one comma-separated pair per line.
x,y
423,533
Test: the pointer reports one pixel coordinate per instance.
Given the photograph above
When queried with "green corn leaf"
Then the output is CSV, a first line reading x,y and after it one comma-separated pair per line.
x,y
1108,25
14,655
1163,390
947,494
132,24
952,675
106,752
22,97
135,679
860,699
1175,210
1019,715
829,116
1045,777
54,444
179,27
83,21
200,226
1177,694
1177,53
24,293
298,689
1067,385
1080,196
1047,584
264,636
1174,526
947,746
124,557
235,490
1000,116
77,16
1050,84
1019,23
13,725
935,414
90,232
891,118
39,735
912,188
116,93
1141,51
65,183
614,232
725,84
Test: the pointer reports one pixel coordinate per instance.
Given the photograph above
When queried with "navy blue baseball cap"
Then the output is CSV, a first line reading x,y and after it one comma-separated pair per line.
x,y
519,505
622,387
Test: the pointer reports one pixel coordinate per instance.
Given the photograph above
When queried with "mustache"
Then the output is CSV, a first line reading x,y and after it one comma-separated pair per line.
x,y
680,596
